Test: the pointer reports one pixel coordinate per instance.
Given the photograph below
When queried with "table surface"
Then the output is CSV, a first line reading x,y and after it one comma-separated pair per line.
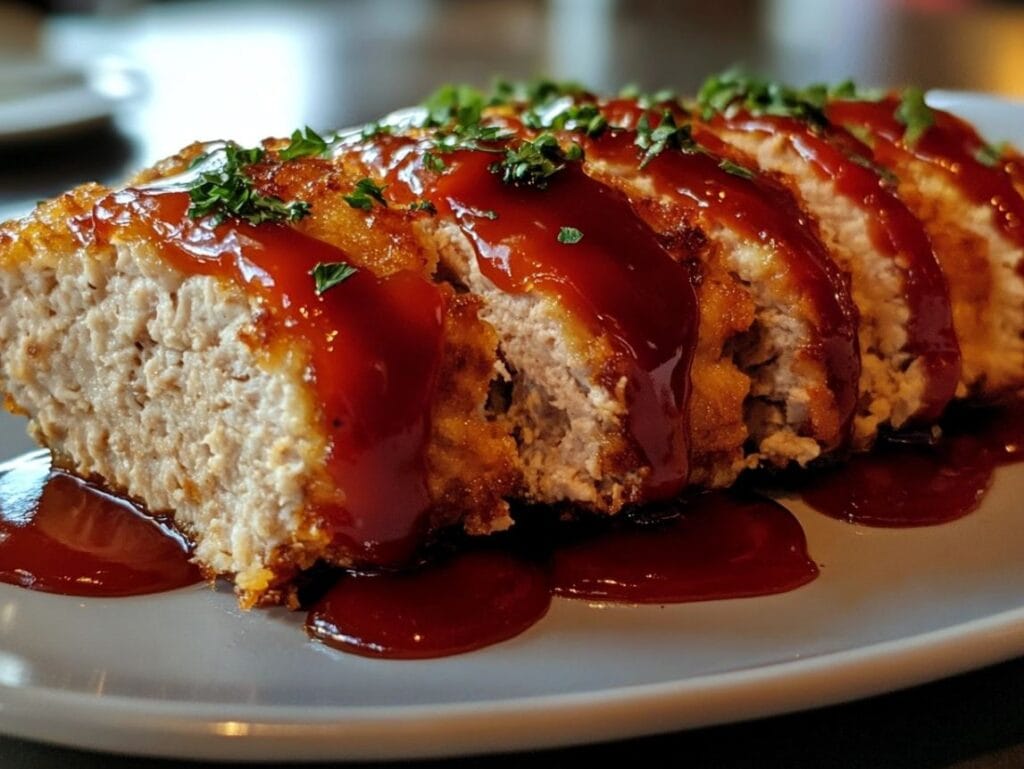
x,y
333,64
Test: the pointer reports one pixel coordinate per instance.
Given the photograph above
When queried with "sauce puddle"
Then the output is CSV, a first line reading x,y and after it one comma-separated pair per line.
x,y
922,484
717,546
59,534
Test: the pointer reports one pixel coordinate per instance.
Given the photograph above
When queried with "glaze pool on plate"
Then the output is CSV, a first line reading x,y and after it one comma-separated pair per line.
x,y
186,673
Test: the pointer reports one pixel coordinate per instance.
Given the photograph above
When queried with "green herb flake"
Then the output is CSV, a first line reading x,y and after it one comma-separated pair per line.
x,y
366,192
459,104
569,236
423,205
917,116
434,162
327,275
304,145
735,169
667,135
373,130
735,90
226,190
990,154
531,163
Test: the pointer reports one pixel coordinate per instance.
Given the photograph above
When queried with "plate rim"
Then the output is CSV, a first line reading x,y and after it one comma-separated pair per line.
x,y
158,728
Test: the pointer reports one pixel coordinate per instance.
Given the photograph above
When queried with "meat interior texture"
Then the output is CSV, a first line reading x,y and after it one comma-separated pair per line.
x,y
329,349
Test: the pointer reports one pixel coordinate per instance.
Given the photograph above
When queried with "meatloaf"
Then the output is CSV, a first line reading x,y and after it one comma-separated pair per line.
x,y
332,349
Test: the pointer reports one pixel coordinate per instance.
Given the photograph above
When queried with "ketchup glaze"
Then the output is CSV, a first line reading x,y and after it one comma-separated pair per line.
x,y
618,282
837,156
374,347
762,210
718,546
951,144
922,482
59,534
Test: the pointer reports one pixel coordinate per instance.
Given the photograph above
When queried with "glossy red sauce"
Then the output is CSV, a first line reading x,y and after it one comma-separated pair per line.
x,y
906,484
374,344
617,281
59,534
719,546
715,547
763,211
470,600
950,144
894,231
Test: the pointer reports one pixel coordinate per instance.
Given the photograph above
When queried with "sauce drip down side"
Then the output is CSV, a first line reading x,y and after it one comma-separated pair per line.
x,y
374,345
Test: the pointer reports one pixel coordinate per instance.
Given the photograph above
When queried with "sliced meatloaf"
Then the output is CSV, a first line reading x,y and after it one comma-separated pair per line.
x,y
196,366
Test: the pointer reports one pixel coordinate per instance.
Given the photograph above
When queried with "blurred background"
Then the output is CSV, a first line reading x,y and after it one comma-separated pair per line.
x,y
90,89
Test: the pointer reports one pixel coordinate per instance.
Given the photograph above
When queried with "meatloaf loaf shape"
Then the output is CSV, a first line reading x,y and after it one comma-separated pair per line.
x,y
333,349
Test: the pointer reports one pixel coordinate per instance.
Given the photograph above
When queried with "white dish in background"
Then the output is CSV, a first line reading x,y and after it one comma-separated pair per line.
x,y
39,100
187,674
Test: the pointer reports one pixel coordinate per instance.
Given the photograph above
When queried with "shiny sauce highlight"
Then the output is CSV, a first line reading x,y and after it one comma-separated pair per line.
x,y
950,144
617,282
59,534
905,483
718,546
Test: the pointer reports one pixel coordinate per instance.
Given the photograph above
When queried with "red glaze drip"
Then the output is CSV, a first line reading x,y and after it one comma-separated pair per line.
x,y
915,485
375,345
894,231
618,280
897,486
763,211
61,535
950,144
719,547
472,600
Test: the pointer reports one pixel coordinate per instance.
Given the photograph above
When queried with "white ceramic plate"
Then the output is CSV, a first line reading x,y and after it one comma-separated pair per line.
x,y
187,674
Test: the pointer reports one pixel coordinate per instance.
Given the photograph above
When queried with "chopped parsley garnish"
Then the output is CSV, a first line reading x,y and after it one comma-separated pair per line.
x,y
474,136
887,175
459,104
566,116
423,205
735,169
531,163
434,162
917,116
366,192
533,93
487,214
667,135
456,111
735,90
226,190
305,145
327,275
370,130
990,154
569,236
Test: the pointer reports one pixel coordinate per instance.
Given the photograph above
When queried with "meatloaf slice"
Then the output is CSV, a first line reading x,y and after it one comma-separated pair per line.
x,y
597,322
199,367
975,219
909,353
